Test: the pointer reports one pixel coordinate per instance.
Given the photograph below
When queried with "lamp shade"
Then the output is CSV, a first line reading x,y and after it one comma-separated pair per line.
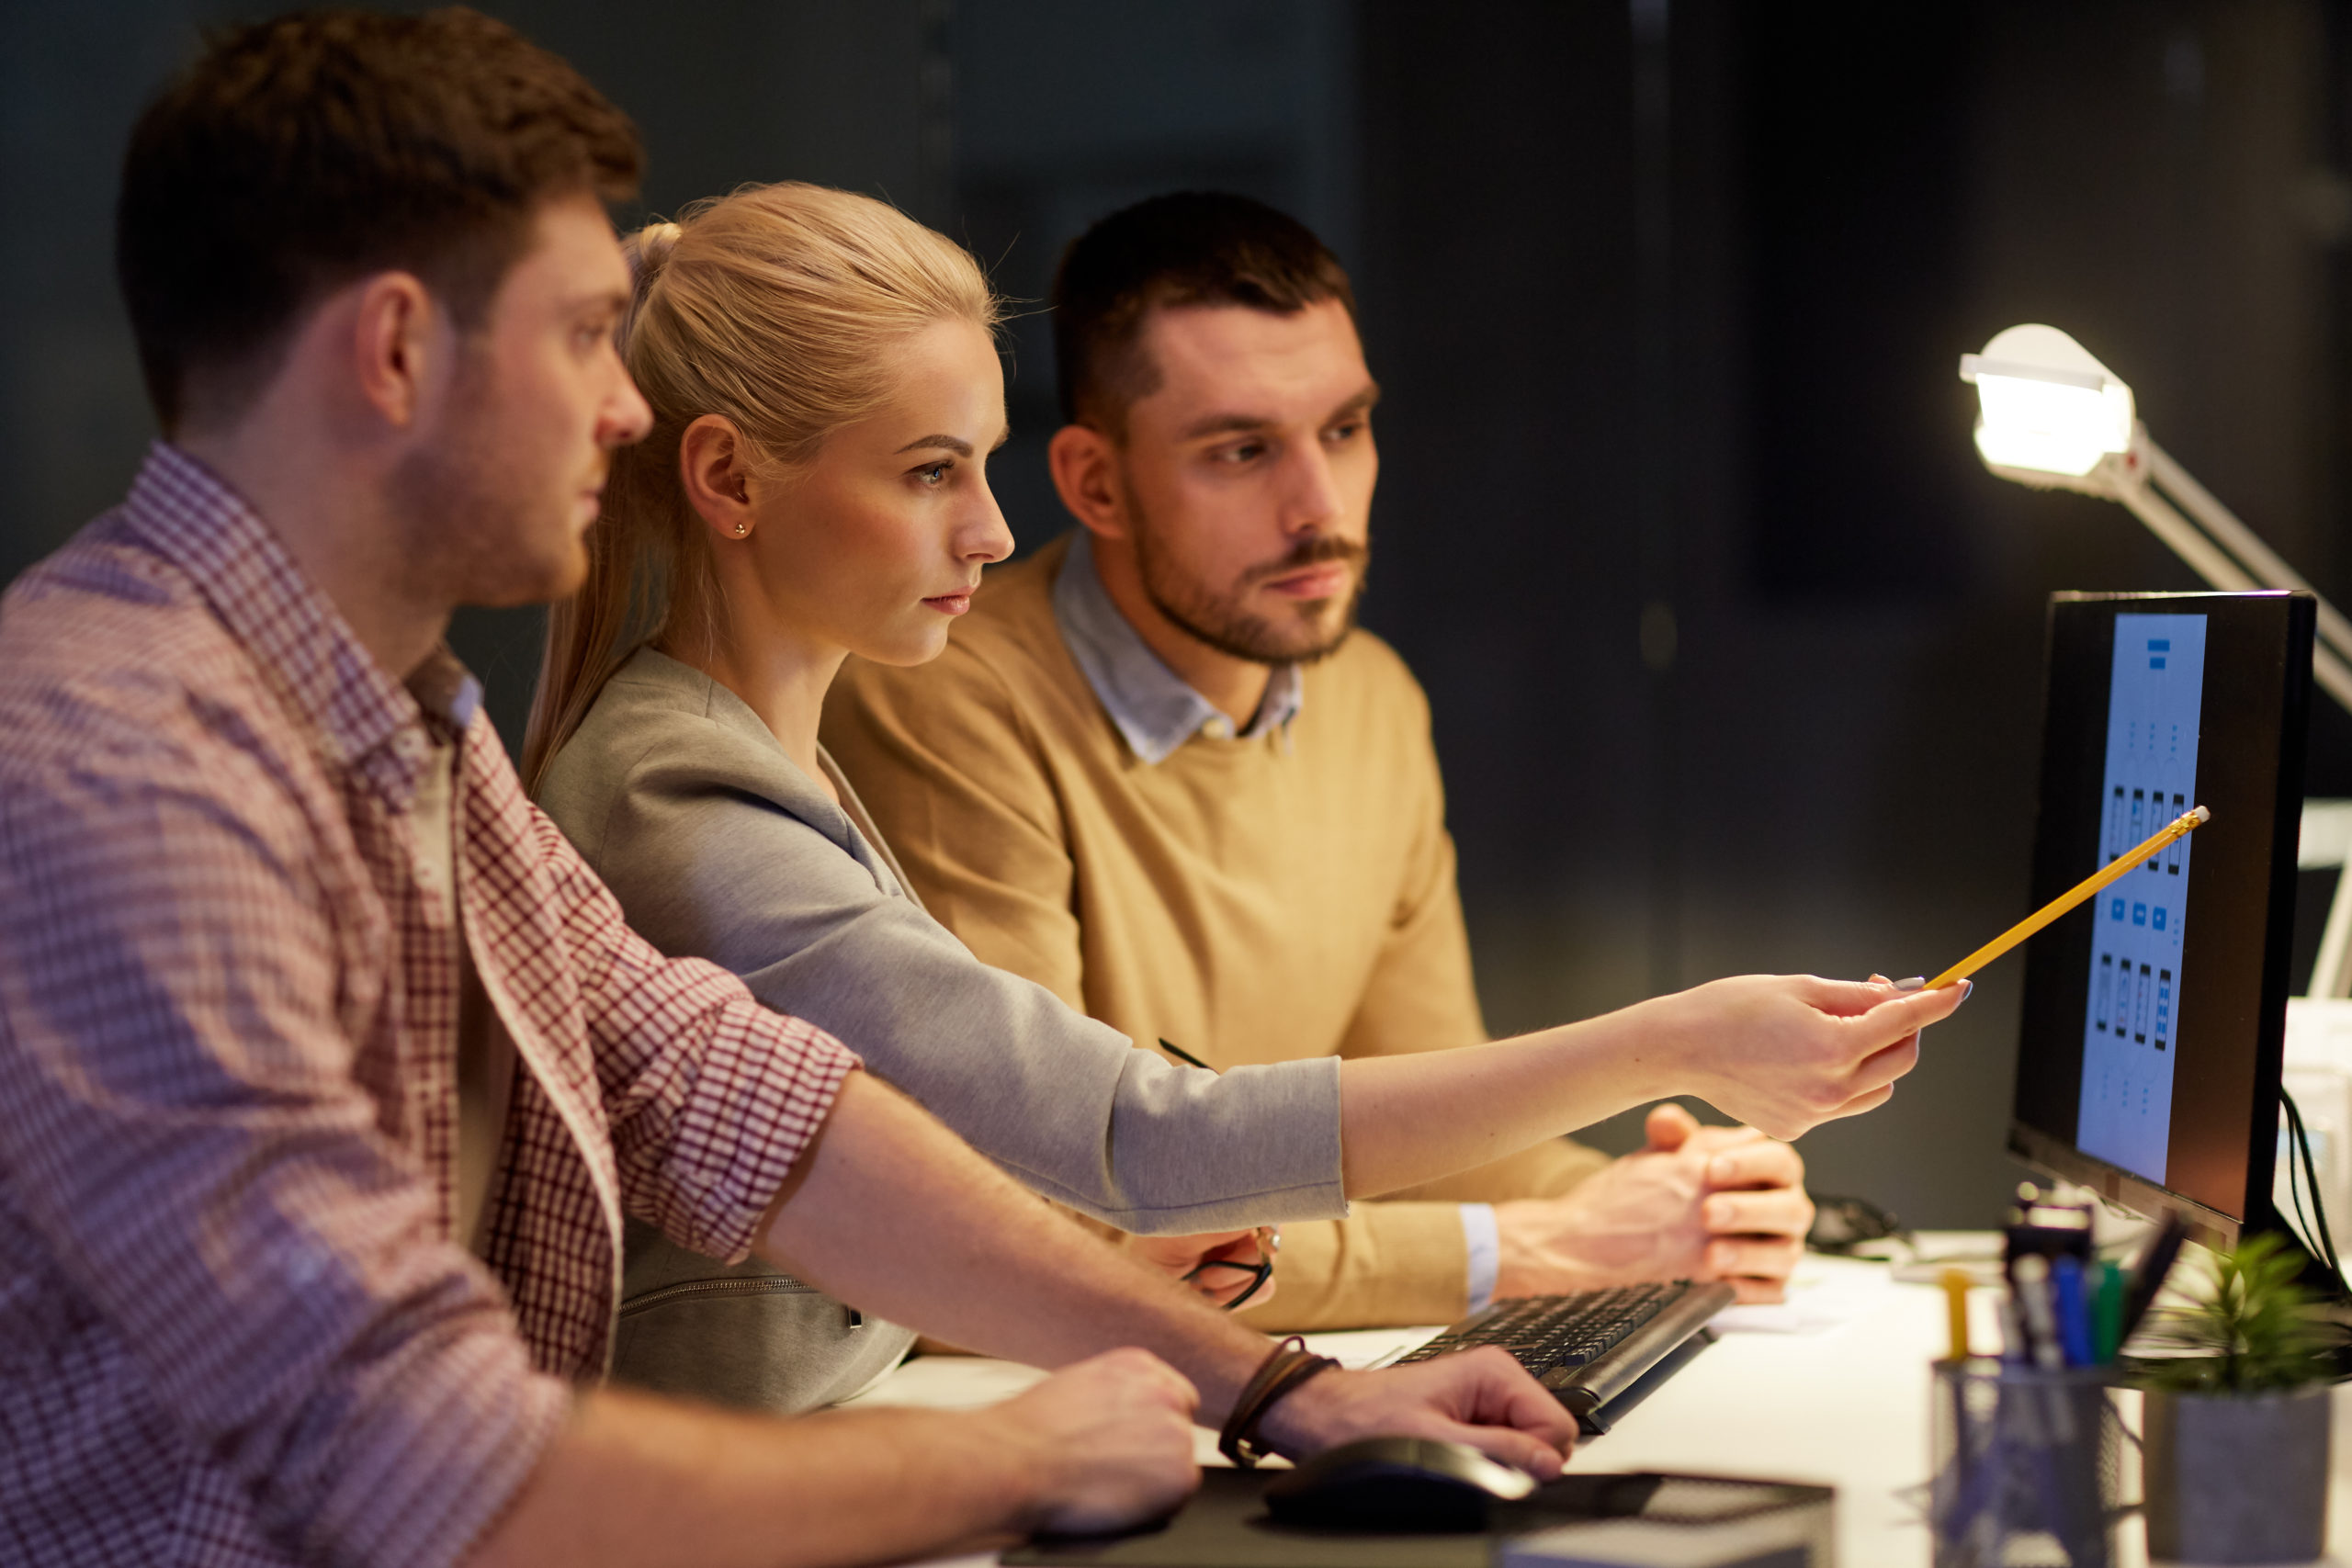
x,y
2044,404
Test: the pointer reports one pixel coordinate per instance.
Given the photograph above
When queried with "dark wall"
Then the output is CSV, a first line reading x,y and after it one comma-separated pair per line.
x,y
1827,764
1733,647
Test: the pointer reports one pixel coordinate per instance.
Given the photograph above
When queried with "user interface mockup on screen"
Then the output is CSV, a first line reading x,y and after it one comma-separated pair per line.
x,y
2154,698
2149,1049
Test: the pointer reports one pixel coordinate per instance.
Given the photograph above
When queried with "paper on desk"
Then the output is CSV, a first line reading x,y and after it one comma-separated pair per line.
x,y
1360,1348
1819,1298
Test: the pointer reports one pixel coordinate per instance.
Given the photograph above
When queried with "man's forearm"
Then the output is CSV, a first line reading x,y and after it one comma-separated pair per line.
x,y
975,1259
640,1479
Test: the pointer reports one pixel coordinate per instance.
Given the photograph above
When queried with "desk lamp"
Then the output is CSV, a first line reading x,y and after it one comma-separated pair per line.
x,y
2051,416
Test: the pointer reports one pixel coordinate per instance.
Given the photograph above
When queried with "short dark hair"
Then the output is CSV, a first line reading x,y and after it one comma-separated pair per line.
x,y
297,154
1188,248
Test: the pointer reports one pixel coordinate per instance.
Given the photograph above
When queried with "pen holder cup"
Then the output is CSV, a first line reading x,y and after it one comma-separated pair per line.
x,y
2027,1466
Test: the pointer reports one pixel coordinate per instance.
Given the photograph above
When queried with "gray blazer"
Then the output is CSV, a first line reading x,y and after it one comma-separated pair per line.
x,y
718,846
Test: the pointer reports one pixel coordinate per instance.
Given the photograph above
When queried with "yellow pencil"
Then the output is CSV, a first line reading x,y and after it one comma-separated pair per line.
x,y
2180,828
1955,1284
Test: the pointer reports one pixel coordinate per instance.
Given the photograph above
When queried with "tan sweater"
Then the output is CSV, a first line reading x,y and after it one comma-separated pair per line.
x,y
1251,900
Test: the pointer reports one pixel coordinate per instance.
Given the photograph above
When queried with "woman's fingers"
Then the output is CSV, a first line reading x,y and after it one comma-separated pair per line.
x,y
1907,1012
1862,1103
1881,1067
1852,998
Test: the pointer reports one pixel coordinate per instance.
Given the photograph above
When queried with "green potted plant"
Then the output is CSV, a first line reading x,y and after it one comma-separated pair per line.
x,y
2237,1414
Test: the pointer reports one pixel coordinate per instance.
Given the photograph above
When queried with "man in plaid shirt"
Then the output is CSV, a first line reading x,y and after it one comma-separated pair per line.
x,y
327,1071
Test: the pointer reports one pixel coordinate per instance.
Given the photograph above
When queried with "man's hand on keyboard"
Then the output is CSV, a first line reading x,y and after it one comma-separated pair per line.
x,y
1698,1203
1481,1397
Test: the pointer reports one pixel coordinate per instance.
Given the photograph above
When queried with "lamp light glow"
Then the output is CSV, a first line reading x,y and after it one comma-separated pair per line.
x,y
2052,417
2046,405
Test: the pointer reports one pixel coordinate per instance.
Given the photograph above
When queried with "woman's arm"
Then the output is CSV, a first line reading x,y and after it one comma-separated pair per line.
x,y
705,862
704,835
1780,1053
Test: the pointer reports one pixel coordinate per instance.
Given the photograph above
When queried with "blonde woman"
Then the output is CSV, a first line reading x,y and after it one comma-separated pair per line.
x,y
826,392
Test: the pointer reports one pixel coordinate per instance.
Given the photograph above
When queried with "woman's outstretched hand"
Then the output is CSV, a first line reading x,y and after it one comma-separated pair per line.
x,y
1785,1053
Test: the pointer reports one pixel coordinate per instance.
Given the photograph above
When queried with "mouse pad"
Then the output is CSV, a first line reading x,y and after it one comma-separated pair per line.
x,y
1225,1524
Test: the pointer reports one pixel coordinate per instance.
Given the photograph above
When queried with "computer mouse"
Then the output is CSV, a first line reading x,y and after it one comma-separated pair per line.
x,y
1395,1485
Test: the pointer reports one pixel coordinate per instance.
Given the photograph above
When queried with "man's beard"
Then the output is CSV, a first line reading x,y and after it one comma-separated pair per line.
x,y
469,541
1222,621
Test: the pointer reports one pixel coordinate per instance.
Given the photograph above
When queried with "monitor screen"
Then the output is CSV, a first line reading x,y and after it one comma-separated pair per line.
x,y
2148,1056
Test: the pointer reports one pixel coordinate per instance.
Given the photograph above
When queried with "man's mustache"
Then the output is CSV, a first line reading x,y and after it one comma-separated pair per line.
x,y
1311,552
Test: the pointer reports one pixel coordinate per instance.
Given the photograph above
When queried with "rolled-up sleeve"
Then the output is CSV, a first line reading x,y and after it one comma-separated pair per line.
x,y
185,1140
712,1097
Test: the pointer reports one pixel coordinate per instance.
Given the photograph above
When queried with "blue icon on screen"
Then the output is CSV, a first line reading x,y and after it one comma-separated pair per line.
x,y
2139,914
2160,917
2115,910
2158,646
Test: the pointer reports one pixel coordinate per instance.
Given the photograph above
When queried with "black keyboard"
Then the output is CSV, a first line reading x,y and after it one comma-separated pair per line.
x,y
1600,1352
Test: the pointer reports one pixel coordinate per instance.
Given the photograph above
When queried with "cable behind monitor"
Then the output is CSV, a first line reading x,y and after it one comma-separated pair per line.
x,y
2302,1172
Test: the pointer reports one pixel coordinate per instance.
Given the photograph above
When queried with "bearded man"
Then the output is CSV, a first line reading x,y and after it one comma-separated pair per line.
x,y
1162,773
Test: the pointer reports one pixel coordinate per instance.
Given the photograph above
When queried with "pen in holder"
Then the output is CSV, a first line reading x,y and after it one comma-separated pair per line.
x,y
2025,1466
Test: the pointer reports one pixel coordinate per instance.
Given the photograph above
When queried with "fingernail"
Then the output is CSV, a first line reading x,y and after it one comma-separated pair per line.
x,y
1913,984
1966,986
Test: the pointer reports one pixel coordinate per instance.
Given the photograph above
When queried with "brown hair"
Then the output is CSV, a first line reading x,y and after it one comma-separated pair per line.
x,y
1189,248
297,154
774,307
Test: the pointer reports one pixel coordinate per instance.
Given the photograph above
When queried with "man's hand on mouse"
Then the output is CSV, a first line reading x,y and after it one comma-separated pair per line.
x,y
1480,1397
1105,1443
1697,1203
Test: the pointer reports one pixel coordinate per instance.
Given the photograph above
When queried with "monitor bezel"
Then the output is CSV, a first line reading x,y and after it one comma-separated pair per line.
x,y
2042,1151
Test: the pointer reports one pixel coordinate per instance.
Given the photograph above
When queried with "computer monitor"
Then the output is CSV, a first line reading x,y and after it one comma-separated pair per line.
x,y
2148,1056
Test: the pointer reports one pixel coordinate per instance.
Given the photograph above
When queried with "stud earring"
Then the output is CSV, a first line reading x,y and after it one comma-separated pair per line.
x,y
741,529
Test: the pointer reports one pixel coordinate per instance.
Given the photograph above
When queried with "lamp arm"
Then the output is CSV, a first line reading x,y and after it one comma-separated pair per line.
x,y
2334,675
2211,563
2267,566
2208,559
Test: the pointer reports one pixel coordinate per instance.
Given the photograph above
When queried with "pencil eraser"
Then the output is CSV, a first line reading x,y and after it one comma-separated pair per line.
x,y
2202,815
1913,984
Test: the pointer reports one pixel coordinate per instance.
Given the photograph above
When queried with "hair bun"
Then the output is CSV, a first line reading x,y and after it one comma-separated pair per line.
x,y
648,251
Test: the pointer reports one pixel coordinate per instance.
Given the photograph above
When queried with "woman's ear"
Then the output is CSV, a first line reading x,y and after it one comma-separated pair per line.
x,y
714,464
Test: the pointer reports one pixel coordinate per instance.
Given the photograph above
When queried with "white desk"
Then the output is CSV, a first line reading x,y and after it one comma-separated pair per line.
x,y
1844,1404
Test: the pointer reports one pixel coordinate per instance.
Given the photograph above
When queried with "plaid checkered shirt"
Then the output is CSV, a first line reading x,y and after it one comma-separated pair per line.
x,y
234,1325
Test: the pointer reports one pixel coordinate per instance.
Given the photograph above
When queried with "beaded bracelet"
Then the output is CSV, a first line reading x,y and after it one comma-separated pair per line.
x,y
1289,1364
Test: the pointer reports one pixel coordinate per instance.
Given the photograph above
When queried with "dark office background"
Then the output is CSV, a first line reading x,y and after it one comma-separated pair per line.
x,y
1734,648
